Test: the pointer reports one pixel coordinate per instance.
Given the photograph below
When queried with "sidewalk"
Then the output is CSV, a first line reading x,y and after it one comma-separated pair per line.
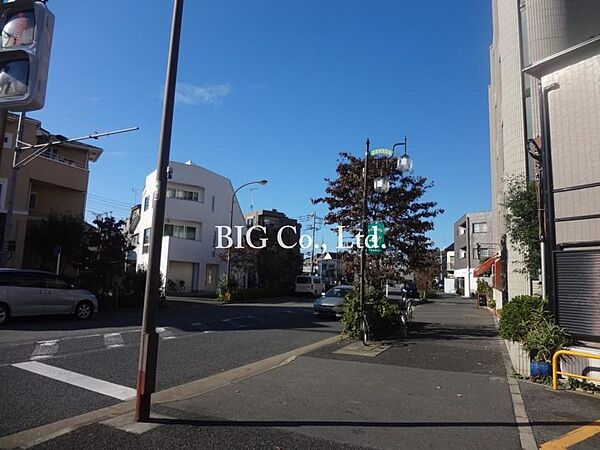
x,y
445,387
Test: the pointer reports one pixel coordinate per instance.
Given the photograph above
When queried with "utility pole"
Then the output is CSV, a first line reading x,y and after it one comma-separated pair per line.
x,y
146,377
10,195
252,198
316,223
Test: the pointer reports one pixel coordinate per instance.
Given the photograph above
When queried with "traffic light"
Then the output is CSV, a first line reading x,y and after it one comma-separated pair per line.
x,y
479,251
27,28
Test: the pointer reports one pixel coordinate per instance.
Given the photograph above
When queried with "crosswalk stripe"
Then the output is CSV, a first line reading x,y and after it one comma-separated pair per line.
x,y
165,333
79,380
44,350
112,340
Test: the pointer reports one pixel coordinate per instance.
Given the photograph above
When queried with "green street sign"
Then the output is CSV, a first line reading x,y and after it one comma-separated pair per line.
x,y
375,238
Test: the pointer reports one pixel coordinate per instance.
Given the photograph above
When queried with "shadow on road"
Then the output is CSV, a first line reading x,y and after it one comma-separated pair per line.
x,y
342,423
436,331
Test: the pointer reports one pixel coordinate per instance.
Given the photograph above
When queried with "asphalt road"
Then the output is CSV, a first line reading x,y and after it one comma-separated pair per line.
x,y
196,340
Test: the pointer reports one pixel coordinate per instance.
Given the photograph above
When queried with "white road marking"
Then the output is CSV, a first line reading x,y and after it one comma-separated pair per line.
x,y
44,350
112,340
164,333
79,380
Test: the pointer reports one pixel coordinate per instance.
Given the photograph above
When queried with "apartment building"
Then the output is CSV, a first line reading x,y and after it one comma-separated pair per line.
x,y
473,244
525,32
275,267
55,183
570,173
197,201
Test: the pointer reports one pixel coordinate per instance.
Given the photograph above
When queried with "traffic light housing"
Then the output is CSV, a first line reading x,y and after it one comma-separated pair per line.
x,y
26,38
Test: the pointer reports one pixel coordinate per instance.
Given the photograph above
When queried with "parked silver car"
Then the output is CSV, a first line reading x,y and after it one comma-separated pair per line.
x,y
332,302
36,293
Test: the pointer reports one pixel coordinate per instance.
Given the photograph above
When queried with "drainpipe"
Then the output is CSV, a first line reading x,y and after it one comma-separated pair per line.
x,y
548,192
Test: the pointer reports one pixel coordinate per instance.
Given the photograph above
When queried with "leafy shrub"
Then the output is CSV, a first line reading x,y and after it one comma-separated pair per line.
x,y
381,314
133,288
544,337
518,314
483,287
226,289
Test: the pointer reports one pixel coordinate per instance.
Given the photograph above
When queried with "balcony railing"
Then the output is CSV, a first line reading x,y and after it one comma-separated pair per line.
x,y
68,162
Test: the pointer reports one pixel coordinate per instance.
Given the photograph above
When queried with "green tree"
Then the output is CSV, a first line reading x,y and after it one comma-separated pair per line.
x,y
522,223
103,263
66,231
406,216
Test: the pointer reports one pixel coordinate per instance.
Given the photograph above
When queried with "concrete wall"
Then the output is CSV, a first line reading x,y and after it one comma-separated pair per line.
x,y
575,134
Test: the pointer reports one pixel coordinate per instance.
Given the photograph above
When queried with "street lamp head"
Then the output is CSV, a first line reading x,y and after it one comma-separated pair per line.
x,y
263,182
405,164
382,185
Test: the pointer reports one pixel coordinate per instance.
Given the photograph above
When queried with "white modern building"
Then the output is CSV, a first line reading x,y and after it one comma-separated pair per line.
x,y
197,201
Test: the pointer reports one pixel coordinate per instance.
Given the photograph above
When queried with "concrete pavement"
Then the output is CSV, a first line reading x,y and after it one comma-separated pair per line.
x,y
446,386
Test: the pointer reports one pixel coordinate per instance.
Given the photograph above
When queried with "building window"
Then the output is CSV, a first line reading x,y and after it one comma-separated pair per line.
x,y
250,222
180,194
484,253
462,254
212,207
33,198
146,241
146,203
181,232
271,221
135,240
480,227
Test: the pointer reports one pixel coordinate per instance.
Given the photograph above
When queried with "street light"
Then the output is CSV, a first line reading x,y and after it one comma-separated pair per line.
x,y
405,164
261,182
381,185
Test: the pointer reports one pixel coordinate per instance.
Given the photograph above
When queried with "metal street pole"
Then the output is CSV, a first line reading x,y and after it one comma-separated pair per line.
x,y
146,378
11,193
263,182
363,250
312,252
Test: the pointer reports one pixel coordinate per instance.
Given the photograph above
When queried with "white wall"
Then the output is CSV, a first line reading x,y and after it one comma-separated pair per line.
x,y
192,213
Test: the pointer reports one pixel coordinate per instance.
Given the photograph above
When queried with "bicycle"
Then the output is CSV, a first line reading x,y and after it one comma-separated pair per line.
x,y
405,316
365,334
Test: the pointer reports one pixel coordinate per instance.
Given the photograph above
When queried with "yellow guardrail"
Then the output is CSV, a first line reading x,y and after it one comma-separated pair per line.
x,y
556,373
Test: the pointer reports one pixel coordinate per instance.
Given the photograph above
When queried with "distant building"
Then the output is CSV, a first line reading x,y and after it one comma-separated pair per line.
x,y
447,268
331,268
473,243
197,201
275,267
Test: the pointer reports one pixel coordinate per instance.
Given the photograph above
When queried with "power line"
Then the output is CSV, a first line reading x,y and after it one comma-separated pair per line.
x,y
112,200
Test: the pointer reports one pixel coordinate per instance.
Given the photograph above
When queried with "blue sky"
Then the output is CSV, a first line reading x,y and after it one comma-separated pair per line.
x,y
276,89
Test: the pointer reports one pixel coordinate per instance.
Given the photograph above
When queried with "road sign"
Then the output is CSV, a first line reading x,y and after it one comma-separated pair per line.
x,y
375,238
